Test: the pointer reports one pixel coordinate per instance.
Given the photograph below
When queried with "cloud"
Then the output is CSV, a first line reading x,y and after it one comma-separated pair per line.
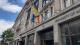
x,y
5,5
5,25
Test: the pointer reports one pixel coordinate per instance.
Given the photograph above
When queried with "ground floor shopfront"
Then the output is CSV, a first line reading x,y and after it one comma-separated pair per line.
x,y
63,29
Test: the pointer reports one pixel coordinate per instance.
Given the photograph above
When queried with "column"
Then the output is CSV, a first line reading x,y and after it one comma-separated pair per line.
x,y
13,43
36,39
57,39
18,42
25,40
8,43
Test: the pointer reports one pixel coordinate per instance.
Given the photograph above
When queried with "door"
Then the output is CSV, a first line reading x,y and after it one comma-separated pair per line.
x,y
46,36
49,42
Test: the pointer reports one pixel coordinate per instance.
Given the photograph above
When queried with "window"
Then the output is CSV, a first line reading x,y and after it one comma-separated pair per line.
x,y
30,40
47,14
76,1
28,16
43,17
44,2
65,30
46,36
10,43
29,11
51,11
71,33
67,3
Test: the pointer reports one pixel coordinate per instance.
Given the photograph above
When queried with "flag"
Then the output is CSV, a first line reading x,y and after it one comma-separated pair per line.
x,y
35,38
36,3
38,20
35,11
35,7
33,18
40,0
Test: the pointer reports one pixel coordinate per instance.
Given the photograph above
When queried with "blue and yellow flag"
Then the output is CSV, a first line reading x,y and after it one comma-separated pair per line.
x,y
33,18
35,11
35,7
36,3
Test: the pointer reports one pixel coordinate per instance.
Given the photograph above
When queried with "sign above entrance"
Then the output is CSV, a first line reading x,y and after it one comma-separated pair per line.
x,y
68,15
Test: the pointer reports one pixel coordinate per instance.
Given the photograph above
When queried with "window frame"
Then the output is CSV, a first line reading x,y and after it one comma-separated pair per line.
x,y
70,36
45,2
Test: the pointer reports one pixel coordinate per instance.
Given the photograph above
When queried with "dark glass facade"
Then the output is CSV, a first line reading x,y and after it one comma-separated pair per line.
x,y
30,40
71,33
46,37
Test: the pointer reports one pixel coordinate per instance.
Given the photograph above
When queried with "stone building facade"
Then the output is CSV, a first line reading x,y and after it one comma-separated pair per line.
x,y
58,23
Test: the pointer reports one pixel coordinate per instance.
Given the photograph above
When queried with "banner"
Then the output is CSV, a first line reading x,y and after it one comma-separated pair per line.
x,y
35,15
38,20
36,3
33,18
35,7
35,11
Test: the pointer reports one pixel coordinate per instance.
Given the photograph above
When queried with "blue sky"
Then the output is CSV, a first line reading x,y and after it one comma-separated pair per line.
x,y
9,9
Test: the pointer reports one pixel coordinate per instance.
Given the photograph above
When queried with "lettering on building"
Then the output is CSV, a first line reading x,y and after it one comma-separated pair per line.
x,y
69,14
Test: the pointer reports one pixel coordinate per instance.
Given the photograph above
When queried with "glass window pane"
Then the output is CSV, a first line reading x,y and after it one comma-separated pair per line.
x,y
76,1
78,28
75,40
65,29
49,14
71,33
52,11
46,13
66,40
44,2
73,28
67,3
48,35
43,17
47,1
30,40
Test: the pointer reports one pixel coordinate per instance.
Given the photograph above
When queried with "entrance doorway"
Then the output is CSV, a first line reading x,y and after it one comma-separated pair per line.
x,y
22,42
49,42
46,36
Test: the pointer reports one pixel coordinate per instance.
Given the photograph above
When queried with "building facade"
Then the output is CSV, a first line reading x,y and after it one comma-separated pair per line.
x,y
48,22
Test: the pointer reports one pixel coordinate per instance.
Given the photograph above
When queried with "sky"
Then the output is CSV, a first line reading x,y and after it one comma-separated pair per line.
x,y
9,10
